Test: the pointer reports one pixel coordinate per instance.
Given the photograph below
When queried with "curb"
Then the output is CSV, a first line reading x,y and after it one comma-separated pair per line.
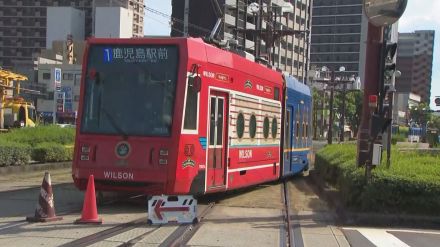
x,y
349,218
35,167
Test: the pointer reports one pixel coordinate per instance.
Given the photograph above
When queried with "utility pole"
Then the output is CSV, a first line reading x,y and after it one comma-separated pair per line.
x,y
270,34
332,83
374,45
185,18
380,14
342,123
330,119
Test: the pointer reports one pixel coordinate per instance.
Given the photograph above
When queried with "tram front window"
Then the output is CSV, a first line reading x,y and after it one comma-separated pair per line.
x,y
130,90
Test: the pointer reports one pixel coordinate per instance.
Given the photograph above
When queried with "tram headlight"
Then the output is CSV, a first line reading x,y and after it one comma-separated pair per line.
x,y
163,152
85,149
85,157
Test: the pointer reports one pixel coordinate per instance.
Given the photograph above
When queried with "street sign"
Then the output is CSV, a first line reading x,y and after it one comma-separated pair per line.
x,y
180,209
57,72
437,101
68,107
60,97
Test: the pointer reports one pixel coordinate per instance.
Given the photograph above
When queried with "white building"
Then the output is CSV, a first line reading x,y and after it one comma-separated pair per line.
x,y
70,87
64,21
402,104
113,22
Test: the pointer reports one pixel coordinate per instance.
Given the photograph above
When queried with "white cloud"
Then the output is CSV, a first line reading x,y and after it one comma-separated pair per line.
x,y
420,14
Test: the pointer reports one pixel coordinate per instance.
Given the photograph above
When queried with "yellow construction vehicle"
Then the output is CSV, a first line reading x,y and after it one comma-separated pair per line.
x,y
14,110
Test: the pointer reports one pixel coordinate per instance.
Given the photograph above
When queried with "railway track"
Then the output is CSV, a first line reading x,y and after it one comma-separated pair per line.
x,y
292,236
167,235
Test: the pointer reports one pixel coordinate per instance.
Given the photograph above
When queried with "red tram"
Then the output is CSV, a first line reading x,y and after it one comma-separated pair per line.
x,y
176,116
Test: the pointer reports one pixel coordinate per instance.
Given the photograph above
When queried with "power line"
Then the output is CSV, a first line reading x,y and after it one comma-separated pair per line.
x,y
173,19
168,24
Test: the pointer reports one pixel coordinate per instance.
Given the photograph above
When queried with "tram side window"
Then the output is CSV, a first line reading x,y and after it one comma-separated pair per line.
x,y
304,123
252,126
266,127
192,107
287,139
297,127
276,94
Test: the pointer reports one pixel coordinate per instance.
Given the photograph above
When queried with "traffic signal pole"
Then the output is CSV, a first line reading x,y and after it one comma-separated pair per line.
x,y
371,87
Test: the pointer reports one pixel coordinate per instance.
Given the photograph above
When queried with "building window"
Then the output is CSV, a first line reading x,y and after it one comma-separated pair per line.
x,y
77,79
67,76
46,76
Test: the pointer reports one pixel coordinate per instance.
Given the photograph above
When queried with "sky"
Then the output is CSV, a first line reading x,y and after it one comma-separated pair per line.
x,y
419,15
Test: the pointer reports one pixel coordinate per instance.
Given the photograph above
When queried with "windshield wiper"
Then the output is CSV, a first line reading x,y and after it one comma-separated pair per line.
x,y
115,124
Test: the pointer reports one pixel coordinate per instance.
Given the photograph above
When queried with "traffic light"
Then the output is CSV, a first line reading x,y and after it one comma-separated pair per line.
x,y
378,125
389,63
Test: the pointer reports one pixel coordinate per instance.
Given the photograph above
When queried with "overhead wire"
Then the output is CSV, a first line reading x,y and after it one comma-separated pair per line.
x,y
173,19
166,23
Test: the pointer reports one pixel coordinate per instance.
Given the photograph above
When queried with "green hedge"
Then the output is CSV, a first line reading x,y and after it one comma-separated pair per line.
x,y
51,152
411,185
40,134
14,154
41,144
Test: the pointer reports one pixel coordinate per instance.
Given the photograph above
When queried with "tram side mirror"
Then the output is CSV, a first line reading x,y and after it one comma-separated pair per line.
x,y
94,76
195,82
384,12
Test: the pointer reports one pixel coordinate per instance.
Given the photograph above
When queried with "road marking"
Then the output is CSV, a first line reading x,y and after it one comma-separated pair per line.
x,y
381,238
12,224
413,231
397,230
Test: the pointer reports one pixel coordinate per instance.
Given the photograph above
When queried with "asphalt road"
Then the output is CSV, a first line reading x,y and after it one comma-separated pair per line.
x,y
371,237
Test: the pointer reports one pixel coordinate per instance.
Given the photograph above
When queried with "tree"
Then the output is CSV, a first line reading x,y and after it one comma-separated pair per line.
x,y
420,114
316,102
435,122
353,108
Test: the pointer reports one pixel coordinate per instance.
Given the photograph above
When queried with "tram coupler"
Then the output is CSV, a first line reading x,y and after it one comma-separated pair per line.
x,y
166,208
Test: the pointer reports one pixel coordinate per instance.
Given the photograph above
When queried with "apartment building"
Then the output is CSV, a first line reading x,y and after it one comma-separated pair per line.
x,y
290,53
23,25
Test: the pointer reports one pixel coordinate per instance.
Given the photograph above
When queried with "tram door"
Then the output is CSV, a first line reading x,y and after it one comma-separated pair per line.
x,y
217,139
288,132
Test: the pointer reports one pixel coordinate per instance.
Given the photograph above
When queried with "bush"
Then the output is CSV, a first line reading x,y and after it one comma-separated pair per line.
x,y
14,154
52,152
42,144
410,185
40,134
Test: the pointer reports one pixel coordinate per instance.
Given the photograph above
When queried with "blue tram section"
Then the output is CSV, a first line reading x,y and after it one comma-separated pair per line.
x,y
297,141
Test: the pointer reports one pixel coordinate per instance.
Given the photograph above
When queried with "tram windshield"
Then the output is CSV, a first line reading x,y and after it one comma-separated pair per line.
x,y
130,90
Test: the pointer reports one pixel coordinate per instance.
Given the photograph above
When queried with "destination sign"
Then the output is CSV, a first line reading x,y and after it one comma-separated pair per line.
x,y
135,54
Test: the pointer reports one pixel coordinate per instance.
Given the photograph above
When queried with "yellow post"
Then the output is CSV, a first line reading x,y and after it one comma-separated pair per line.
x,y
2,102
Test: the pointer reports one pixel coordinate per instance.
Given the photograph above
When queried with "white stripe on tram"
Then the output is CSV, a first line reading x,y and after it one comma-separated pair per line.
x,y
251,168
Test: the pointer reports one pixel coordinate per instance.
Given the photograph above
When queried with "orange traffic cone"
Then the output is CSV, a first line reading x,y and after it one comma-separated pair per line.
x,y
45,210
89,213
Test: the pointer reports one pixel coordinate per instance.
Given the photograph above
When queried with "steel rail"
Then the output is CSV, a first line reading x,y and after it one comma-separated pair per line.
x,y
183,234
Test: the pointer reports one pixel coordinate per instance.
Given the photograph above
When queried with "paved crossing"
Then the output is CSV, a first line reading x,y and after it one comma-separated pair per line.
x,y
376,237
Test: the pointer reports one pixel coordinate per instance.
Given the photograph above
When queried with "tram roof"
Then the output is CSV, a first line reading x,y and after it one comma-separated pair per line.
x,y
215,55
293,84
